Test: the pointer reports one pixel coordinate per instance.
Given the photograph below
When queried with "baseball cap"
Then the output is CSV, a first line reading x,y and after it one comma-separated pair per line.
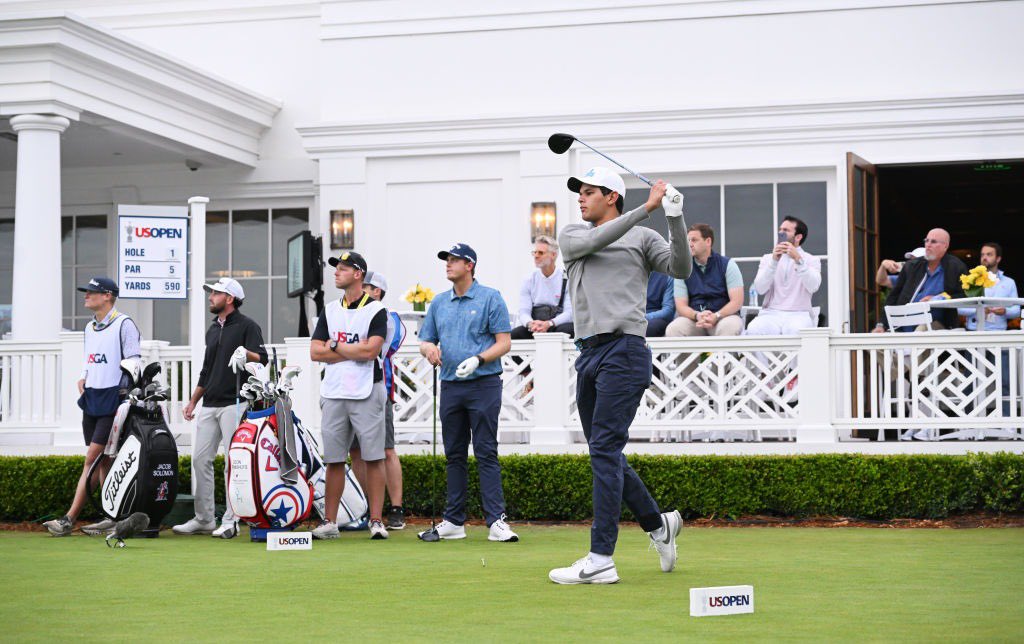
x,y
598,176
917,252
459,250
100,285
226,285
373,278
350,258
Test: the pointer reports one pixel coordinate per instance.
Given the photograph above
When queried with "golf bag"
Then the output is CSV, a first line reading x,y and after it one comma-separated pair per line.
x,y
144,474
256,490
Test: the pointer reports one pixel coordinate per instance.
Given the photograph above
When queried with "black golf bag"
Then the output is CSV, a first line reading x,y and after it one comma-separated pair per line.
x,y
144,474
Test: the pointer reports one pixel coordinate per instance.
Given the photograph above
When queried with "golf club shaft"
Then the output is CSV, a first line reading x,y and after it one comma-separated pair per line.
x,y
635,174
433,464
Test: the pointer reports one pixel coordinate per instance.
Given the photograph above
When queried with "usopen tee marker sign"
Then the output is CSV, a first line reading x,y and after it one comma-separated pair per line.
x,y
721,600
152,252
289,541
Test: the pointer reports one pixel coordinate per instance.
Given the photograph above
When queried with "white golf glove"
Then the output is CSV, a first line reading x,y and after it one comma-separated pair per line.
x,y
467,367
237,359
672,202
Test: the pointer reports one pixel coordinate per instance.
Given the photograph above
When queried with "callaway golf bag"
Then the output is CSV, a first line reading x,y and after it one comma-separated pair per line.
x,y
276,476
144,474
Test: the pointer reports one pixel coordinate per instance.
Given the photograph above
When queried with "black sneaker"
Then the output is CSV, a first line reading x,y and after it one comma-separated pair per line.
x,y
396,518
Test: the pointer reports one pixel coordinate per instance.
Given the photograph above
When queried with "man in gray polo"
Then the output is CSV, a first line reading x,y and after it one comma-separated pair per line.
x,y
349,339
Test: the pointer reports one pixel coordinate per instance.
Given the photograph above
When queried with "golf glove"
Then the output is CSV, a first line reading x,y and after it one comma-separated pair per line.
x,y
237,359
672,202
467,367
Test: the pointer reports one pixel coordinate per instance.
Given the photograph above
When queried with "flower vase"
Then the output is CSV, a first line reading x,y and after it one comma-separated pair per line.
x,y
975,291
419,306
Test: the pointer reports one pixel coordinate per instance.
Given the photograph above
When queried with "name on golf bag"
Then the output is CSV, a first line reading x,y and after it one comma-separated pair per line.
x,y
289,541
721,600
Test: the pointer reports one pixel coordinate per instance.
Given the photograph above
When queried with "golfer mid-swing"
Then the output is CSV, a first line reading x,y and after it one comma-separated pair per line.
x,y
608,260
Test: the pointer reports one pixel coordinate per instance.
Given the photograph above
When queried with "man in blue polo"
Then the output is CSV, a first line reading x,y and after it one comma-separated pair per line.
x,y
465,333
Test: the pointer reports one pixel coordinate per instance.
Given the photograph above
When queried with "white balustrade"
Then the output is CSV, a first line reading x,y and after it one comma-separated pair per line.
x,y
817,387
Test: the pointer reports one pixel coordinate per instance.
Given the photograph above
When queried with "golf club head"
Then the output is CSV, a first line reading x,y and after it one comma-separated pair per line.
x,y
150,371
560,142
430,536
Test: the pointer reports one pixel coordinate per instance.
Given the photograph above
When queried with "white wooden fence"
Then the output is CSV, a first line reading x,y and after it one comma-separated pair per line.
x,y
818,387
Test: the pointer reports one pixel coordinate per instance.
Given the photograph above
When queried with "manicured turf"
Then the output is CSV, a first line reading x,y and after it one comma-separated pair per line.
x,y
809,583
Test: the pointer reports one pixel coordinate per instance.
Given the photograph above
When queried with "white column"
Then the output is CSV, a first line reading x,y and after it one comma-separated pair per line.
x,y
816,391
197,309
550,391
37,261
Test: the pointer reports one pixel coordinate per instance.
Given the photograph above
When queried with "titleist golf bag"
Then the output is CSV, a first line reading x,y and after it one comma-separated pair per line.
x,y
144,474
276,476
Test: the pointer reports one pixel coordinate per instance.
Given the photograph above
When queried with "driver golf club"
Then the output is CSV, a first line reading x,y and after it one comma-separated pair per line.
x,y
560,142
431,536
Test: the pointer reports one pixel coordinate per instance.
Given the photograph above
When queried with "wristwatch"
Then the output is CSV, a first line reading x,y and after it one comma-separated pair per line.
x,y
718,316
333,345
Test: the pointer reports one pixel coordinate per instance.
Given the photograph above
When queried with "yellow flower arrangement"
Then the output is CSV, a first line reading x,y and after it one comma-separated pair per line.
x,y
976,281
418,296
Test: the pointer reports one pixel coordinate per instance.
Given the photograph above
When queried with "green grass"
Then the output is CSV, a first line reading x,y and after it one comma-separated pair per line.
x,y
809,584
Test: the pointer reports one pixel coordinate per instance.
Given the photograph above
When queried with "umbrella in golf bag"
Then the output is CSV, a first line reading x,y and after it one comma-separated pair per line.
x,y
276,476
144,474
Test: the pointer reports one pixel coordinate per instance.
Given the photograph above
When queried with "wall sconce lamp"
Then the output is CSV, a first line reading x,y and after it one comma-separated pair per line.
x,y
542,219
343,229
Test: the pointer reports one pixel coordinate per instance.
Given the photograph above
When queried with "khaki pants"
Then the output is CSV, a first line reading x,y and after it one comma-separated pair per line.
x,y
214,428
729,325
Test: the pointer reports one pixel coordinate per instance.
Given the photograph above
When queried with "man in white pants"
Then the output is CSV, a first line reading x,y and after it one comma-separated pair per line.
x,y
786,280
232,340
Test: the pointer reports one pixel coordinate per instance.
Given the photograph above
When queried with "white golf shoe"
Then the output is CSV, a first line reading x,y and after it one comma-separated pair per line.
x,y
195,526
585,571
501,532
326,530
666,545
227,530
447,530
377,530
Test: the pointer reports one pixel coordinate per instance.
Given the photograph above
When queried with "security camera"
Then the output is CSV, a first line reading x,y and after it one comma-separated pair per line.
x,y
192,165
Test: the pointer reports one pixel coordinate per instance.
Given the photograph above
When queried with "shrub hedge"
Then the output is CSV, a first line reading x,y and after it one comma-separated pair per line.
x,y
557,487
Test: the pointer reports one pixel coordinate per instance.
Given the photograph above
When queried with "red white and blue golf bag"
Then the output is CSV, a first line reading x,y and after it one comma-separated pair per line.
x,y
276,476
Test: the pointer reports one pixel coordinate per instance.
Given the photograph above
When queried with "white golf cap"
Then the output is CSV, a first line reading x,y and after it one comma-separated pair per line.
x,y
917,252
373,278
226,285
601,177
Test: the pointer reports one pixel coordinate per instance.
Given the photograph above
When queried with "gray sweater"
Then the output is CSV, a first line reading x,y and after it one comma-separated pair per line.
x,y
608,267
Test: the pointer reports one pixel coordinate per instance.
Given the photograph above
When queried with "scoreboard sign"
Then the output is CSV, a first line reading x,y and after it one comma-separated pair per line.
x,y
152,252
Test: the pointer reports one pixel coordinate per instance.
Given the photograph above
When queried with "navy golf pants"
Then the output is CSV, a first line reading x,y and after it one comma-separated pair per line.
x,y
610,382
469,411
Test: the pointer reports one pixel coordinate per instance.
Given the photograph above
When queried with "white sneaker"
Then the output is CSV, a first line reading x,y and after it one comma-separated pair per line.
x,y
195,526
100,527
584,571
377,530
227,530
448,530
666,546
326,530
501,532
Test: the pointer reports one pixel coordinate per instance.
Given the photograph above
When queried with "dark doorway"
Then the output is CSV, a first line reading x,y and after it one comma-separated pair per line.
x,y
976,202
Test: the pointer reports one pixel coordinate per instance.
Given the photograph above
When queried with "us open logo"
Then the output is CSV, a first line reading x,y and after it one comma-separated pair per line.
x,y
289,541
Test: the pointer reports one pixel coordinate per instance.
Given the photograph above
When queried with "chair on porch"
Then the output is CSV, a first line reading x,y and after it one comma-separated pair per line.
x,y
914,315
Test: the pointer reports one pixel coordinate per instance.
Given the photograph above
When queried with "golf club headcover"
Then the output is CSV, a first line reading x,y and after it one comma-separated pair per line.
x,y
126,528
672,202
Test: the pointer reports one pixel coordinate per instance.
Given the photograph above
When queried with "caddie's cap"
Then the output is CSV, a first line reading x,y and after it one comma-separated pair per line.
x,y
349,258
601,177
226,285
374,278
459,250
100,285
